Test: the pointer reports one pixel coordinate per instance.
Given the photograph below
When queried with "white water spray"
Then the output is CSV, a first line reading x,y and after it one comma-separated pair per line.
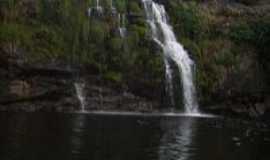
x,y
163,34
98,7
80,95
97,3
169,80
122,25
89,11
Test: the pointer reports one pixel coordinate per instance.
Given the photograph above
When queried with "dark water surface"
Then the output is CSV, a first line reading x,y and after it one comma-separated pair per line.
x,y
60,136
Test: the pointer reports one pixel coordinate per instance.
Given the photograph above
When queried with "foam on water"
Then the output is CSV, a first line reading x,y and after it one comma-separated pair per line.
x,y
154,114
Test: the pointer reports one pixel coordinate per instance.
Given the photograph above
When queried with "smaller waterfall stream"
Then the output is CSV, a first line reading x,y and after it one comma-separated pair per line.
x,y
163,35
98,7
122,25
80,95
95,9
97,3
112,7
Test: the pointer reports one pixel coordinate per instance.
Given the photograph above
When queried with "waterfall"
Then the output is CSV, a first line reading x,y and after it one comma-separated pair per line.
x,y
98,7
95,9
163,35
89,11
122,25
112,7
169,80
80,95
97,3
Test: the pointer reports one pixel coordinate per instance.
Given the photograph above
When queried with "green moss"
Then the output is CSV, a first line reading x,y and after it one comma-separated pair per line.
x,y
242,32
15,33
113,76
98,32
139,30
116,44
134,8
189,20
121,5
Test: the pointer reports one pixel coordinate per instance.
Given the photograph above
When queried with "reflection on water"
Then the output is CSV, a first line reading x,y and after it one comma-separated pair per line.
x,y
77,134
56,136
16,128
176,143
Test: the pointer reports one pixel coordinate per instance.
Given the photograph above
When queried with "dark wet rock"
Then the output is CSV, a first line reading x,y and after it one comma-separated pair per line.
x,y
26,87
50,87
38,93
243,107
266,116
108,97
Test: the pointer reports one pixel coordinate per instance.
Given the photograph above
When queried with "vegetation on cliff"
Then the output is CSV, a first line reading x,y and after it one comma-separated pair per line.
x,y
62,30
229,42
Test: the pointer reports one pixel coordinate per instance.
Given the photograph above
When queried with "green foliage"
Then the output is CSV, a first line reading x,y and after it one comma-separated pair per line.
x,y
134,7
12,32
61,30
255,33
225,58
116,44
139,30
189,20
121,5
113,76
98,32
242,32
15,35
218,38
47,42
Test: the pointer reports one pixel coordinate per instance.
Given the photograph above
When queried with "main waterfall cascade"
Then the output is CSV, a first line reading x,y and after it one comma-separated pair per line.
x,y
163,35
174,52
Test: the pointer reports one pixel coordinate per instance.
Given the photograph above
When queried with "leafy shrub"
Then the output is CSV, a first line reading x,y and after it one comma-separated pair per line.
x,y
189,20
113,76
14,32
242,32
121,5
133,7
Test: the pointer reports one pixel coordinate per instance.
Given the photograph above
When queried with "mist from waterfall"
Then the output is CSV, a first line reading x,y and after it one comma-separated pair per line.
x,y
163,35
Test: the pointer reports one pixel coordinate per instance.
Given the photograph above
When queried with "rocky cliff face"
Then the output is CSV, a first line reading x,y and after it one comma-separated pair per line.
x,y
39,62
50,87
31,88
41,42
